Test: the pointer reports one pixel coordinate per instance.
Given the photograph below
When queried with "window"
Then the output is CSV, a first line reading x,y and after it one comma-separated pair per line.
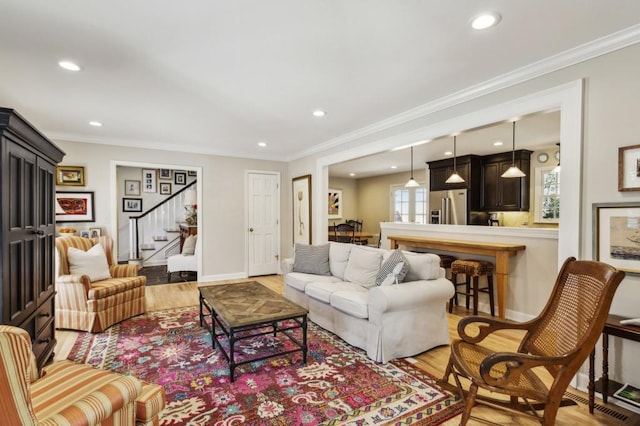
x,y
409,204
547,195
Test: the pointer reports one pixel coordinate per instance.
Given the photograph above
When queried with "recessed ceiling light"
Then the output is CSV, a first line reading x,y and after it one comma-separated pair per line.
x,y
319,113
448,153
95,123
262,144
394,167
352,174
70,66
485,20
497,143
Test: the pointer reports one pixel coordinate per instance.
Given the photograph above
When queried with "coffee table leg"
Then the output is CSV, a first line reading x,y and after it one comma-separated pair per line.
x,y
232,363
304,339
201,312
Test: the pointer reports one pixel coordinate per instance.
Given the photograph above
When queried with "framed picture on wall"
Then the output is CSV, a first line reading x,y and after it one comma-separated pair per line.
x,y
132,204
180,178
95,232
334,204
165,188
70,176
301,195
131,187
165,174
629,168
616,235
74,206
149,180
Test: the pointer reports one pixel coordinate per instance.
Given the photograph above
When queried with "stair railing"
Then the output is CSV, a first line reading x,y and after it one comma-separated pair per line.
x,y
152,217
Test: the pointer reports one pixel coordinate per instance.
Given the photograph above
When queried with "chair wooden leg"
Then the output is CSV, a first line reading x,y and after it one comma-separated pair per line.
x,y
475,295
469,403
168,277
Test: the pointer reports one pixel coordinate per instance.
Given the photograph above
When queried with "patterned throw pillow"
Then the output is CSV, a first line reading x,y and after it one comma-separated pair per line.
x,y
311,259
387,267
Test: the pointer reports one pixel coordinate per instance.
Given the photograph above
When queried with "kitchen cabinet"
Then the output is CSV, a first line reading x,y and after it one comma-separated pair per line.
x,y
27,231
469,169
505,194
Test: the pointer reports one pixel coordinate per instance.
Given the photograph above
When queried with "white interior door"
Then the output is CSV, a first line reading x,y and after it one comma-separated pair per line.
x,y
263,222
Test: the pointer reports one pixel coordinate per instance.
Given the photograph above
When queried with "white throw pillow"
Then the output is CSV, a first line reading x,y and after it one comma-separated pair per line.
x,y
92,262
422,266
363,266
338,258
189,245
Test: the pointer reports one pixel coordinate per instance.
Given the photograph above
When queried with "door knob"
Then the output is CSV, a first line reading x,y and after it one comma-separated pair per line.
x,y
250,229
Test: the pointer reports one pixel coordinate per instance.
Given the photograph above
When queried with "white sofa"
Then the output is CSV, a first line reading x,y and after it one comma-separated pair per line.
x,y
388,321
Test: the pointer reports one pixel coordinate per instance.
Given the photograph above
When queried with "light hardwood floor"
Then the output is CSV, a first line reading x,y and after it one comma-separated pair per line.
x,y
434,361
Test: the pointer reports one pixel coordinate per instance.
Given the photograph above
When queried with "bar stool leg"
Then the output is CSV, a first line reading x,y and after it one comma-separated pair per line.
x,y
455,294
491,301
468,289
475,294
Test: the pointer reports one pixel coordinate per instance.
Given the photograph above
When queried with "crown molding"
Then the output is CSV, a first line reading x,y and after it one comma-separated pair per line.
x,y
601,46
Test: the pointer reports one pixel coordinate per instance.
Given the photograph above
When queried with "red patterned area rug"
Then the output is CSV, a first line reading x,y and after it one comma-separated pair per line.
x,y
339,385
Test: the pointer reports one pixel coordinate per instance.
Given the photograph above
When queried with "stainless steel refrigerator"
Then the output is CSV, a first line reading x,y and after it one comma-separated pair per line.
x,y
448,207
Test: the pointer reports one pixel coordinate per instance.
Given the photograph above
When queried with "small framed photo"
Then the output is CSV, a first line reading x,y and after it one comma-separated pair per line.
x,y
180,178
74,206
70,176
165,174
85,233
148,180
95,232
132,204
131,187
192,173
616,235
165,188
629,168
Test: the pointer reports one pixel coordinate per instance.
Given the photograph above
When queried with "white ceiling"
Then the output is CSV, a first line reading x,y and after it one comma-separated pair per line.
x,y
218,76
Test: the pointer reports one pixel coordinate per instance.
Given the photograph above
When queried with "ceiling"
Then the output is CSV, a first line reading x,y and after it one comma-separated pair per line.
x,y
217,77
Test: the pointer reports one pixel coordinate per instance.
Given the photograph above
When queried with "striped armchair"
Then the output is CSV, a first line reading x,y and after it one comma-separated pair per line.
x,y
95,306
69,393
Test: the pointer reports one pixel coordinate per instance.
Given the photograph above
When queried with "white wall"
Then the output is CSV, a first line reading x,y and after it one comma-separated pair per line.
x,y
223,230
611,105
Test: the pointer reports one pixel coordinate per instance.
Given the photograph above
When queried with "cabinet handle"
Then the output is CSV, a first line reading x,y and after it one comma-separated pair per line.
x,y
47,340
38,232
45,315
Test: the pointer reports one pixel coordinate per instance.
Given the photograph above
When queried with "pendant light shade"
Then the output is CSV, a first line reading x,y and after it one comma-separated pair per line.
x,y
557,168
455,177
412,182
513,171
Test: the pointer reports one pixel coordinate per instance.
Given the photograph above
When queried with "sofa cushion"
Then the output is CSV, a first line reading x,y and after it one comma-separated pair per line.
x,y
387,267
299,280
352,302
422,266
323,291
338,258
92,262
311,259
363,266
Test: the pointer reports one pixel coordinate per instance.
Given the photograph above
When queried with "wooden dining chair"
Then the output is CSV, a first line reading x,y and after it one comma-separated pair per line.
x,y
560,339
357,225
344,233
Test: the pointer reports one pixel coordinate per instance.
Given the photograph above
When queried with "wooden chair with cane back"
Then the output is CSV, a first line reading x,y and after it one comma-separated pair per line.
x,y
559,339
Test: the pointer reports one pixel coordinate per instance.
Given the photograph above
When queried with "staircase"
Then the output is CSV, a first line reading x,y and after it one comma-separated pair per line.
x,y
155,235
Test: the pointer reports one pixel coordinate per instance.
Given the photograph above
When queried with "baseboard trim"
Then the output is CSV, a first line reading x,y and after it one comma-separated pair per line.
x,y
221,277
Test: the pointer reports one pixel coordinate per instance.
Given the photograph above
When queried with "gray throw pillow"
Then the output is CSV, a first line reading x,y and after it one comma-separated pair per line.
x,y
311,259
387,267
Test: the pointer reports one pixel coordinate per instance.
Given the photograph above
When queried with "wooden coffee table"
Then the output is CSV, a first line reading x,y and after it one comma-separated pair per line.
x,y
246,310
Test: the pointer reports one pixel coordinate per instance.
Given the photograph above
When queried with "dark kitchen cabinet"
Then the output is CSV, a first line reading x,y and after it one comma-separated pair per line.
x,y
505,194
468,167
27,231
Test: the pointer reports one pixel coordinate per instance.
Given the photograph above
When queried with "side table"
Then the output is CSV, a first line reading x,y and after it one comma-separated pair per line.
x,y
614,328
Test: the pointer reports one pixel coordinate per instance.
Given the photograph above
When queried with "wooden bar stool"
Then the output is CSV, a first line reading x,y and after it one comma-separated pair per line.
x,y
446,261
472,268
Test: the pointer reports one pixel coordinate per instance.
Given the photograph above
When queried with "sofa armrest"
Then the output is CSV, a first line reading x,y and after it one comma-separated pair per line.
x,y
81,282
121,271
287,265
107,400
410,295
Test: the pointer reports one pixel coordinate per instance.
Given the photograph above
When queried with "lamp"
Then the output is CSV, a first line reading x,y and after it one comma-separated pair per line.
x,y
455,177
557,168
190,204
412,182
513,171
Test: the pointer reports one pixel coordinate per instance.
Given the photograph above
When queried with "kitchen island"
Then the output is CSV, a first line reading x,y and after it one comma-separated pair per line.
x,y
530,273
500,251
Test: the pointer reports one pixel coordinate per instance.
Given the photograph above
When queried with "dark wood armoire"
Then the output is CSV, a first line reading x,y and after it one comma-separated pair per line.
x,y
27,230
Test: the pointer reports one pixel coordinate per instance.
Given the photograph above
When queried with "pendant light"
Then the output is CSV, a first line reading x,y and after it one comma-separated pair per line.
x,y
513,171
412,182
455,177
557,168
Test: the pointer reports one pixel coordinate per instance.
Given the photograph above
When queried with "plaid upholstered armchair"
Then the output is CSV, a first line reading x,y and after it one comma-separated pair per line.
x,y
68,392
91,294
